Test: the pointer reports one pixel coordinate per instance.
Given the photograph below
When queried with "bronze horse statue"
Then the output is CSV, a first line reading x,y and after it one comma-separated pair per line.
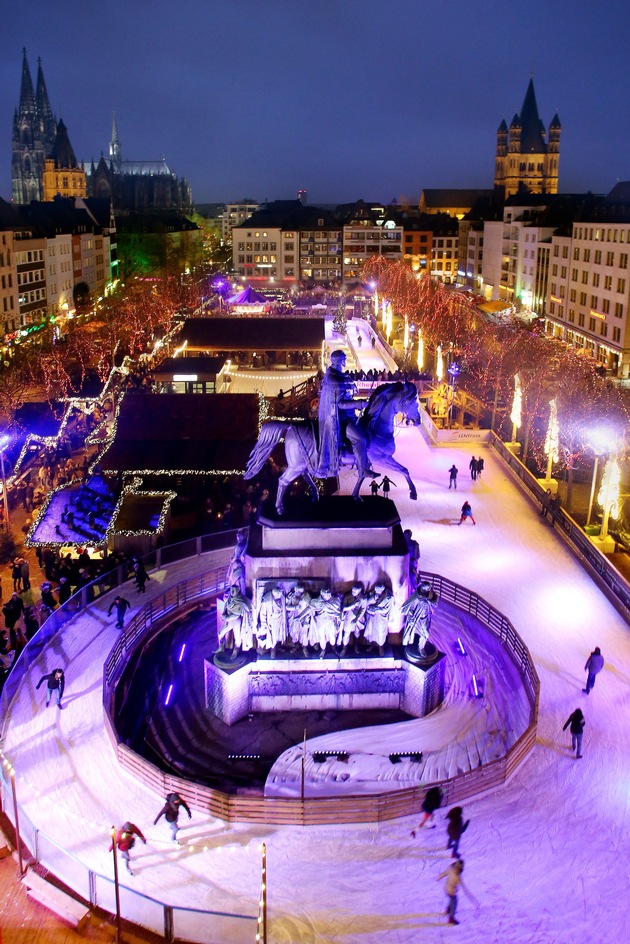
x,y
300,442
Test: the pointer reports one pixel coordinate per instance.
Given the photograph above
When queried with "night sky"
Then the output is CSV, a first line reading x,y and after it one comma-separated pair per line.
x,y
349,99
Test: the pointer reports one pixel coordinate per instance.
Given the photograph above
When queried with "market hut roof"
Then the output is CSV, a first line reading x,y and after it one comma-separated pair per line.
x,y
180,433
252,334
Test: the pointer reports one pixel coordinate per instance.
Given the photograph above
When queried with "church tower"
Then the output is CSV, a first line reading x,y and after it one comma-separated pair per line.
x,y
62,175
525,158
114,149
34,130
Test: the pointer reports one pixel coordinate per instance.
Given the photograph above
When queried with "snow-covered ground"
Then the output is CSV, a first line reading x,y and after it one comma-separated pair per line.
x,y
544,855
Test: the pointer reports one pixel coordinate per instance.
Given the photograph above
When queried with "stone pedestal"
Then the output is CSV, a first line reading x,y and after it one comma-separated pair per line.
x,y
549,484
334,542
331,683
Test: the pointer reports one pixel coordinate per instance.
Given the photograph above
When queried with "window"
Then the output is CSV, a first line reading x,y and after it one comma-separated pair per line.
x,y
621,285
591,324
610,258
576,254
618,310
616,335
594,301
623,260
582,298
607,282
587,255
584,277
572,295
595,279
606,305
574,275
603,329
581,319
598,257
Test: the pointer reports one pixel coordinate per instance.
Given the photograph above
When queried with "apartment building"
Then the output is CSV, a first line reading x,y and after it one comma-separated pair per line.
x,y
589,286
234,214
368,230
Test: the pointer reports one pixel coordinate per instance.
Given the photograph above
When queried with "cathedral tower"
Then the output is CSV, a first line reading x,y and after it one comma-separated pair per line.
x,y
34,130
525,159
62,175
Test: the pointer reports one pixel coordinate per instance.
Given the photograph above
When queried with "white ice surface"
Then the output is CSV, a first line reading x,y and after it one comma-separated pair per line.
x,y
546,855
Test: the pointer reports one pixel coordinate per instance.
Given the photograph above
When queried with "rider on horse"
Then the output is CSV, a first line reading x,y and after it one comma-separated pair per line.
x,y
335,398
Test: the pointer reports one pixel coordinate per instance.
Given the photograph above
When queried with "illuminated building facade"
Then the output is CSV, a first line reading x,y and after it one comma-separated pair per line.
x,y
527,159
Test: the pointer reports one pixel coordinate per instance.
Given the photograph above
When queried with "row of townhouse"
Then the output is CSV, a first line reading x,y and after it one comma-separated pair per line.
x,y
46,249
564,258
287,242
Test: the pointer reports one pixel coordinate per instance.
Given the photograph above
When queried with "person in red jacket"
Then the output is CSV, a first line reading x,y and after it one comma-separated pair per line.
x,y
125,839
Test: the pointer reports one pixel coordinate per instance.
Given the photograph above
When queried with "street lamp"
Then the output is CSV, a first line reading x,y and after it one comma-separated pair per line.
x,y
608,496
453,370
4,442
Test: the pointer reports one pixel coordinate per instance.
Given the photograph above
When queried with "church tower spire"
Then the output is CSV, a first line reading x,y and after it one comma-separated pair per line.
x,y
525,159
114,147
34,130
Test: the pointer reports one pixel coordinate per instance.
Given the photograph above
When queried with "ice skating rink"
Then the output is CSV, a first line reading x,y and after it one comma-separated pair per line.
x,y
545,856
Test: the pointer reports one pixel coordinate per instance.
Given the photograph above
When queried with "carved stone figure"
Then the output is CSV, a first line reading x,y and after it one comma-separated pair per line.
x,y
414,559
352,618
377,614
272,620
237,627
325,622
418,613
236,567
299,614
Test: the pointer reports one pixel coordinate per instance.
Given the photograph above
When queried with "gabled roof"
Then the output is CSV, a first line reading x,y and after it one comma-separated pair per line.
x,y
174,433
62,153
253,334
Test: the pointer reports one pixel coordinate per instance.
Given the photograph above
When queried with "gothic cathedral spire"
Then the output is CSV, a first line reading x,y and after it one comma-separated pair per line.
x,y
34,130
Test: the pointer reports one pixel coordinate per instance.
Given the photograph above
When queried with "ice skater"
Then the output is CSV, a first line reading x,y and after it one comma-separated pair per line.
x,y
121,605
453,876
577,722
385,485
472,465
480,466
431,803
141,576
455,829
452,482
466,513
56,682
170,811
594,665
125,839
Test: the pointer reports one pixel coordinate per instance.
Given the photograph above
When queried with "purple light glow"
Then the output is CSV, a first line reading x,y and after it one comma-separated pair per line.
x,y
181,653
170,692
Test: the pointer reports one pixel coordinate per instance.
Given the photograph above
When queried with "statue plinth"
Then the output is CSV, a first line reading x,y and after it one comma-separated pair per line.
x,y
334,542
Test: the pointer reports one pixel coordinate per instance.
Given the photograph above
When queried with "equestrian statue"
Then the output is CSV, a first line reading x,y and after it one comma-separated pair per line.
x,y
343,438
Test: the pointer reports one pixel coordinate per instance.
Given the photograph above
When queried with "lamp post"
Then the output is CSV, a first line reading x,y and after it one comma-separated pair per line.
x,y
608,496
453,370
4,442
517,406
552,439
598,456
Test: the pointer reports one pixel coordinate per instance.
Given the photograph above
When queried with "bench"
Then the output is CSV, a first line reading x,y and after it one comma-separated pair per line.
x,y
69,909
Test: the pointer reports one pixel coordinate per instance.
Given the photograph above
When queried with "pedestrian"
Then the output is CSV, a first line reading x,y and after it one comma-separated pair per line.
x,y
46,591
467,513
577,722
455,829
472,465
16,574
170,811
452,482
55,682
385,485
26,574
546,501
480,466
453,876
594,665
431,803
65,590
373,341
30,623
554,508
141,576
121,606
374,488
125,839
13,610
414,558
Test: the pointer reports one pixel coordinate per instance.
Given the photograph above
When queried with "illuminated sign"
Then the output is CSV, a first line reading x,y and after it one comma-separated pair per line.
x,y
597,314
184,377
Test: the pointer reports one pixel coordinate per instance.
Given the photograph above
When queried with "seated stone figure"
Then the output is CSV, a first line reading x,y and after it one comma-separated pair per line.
x,y
377,615
352,618
325,622
299,614
272,620
237,627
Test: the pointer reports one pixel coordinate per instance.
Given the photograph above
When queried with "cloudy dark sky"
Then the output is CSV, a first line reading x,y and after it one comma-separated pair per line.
x,y
346,98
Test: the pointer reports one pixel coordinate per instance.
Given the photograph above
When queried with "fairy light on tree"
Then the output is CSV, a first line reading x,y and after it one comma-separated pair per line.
x,y
552,439
420,350
517,406
439,363
608,495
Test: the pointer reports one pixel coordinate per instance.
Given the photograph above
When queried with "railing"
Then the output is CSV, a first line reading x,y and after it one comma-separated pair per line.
x,y
322,810
609,579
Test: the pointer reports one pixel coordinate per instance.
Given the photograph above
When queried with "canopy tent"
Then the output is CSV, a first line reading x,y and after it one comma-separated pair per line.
x,y
248,297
